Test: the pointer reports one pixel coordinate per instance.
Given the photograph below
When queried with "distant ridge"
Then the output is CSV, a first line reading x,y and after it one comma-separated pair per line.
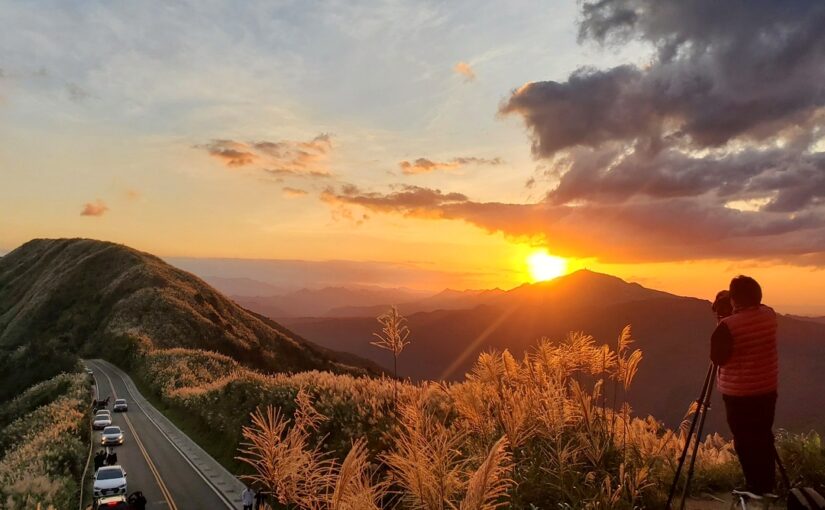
x,y
324,301
672,331
571,287
63,297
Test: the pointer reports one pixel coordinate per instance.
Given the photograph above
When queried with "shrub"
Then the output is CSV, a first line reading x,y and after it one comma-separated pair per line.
x,y
45,447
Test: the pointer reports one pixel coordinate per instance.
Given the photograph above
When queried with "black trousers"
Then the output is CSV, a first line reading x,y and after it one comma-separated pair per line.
x,y
751,422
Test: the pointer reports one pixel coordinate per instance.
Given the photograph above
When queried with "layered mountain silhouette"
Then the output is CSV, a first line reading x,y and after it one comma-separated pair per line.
x,y
326,301
66,297
672,331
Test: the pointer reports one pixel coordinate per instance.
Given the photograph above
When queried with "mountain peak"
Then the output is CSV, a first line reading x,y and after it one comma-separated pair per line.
x,y
583,286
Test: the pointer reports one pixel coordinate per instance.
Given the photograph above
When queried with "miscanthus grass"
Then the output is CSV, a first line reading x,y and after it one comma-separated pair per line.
x,y
550,429
43,449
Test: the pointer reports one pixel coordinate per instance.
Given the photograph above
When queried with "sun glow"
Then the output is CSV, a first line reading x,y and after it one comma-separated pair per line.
x,y
542,266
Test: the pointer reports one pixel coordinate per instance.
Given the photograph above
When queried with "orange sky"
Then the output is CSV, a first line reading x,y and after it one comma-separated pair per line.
x,y
453,138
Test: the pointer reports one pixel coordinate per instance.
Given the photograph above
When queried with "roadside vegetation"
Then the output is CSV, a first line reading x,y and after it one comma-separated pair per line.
x,y
550,430
44,442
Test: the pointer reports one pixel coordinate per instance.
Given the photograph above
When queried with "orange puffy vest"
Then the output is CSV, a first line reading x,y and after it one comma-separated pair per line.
x,y
753,368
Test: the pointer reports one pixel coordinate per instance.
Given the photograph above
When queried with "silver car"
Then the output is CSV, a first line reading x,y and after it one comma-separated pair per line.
x,y
120,405
111,436
101,421
109,481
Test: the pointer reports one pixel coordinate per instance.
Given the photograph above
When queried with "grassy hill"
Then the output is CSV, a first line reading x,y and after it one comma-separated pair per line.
x,y
61,298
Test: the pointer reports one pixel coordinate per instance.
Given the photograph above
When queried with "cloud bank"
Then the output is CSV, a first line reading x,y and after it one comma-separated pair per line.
x,y
714,149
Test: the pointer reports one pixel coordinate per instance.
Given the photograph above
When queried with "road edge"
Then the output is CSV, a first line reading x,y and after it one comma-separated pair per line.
x,y
217,477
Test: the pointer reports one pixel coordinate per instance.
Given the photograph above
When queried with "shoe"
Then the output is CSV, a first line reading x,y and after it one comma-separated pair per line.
x,y
747,494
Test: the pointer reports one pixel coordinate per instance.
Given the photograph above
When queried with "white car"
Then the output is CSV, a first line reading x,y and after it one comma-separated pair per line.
x,y
102,420
120,405
111,436
109,481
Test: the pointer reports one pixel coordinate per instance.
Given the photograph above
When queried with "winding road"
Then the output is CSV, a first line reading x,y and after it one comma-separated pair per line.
x,y
168,467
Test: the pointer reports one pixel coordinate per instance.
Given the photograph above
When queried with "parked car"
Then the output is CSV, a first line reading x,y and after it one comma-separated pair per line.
x,y
110,481
120,405
101,421
111,436
113,503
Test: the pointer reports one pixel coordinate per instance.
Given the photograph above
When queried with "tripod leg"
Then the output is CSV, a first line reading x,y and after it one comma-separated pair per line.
x,y
703,407
683,456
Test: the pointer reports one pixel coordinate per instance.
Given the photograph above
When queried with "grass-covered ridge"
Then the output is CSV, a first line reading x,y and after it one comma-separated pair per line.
x,y
64,297
554,424
44,442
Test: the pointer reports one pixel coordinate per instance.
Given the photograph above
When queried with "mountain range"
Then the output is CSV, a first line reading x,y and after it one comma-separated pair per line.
x,y
672,331
326,301
60,298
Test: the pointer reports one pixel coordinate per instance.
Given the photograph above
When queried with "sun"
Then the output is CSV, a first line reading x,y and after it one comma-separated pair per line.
x,y
543,266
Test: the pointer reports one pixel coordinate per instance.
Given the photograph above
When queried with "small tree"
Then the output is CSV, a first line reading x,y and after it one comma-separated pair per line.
x,y
393,337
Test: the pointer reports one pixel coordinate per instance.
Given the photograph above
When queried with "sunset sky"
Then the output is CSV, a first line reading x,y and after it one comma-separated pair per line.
x,y
671,143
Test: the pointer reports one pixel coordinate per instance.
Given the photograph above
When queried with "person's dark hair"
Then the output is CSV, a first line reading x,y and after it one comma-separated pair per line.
x,y
745,291
722,306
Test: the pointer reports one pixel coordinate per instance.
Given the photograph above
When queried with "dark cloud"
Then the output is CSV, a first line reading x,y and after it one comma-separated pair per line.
x,y
96,208
741,70
790,180
424,165
283,158
640,231
713,149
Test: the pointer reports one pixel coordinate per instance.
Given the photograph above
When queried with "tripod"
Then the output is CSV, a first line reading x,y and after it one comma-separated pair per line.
x,y
702,407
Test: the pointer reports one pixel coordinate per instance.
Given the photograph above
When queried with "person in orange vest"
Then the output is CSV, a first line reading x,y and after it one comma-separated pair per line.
x,y
743,346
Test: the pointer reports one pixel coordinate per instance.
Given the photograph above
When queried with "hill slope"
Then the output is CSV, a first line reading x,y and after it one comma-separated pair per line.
x,y
61,297
672,332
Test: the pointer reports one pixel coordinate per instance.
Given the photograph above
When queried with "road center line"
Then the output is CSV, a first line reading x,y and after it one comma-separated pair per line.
x,y
206,480
155,473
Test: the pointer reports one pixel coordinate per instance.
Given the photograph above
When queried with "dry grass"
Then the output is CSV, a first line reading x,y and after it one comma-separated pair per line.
x,y
552,429
296,473
393,338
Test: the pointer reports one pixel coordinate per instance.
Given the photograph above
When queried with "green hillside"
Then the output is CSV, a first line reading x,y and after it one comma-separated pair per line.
x,y
64,298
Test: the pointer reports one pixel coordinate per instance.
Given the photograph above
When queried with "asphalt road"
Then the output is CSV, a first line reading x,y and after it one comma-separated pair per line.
x,y
152,464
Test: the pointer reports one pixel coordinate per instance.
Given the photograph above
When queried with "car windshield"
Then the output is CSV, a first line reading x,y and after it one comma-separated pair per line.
x,y
102,416
109,474
111,430
120,401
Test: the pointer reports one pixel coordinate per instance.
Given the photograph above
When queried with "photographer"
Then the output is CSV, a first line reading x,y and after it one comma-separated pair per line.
x,y
743,346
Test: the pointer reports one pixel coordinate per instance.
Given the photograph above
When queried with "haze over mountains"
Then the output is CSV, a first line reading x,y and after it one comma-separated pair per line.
x,y
672,331
326,301
63,297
